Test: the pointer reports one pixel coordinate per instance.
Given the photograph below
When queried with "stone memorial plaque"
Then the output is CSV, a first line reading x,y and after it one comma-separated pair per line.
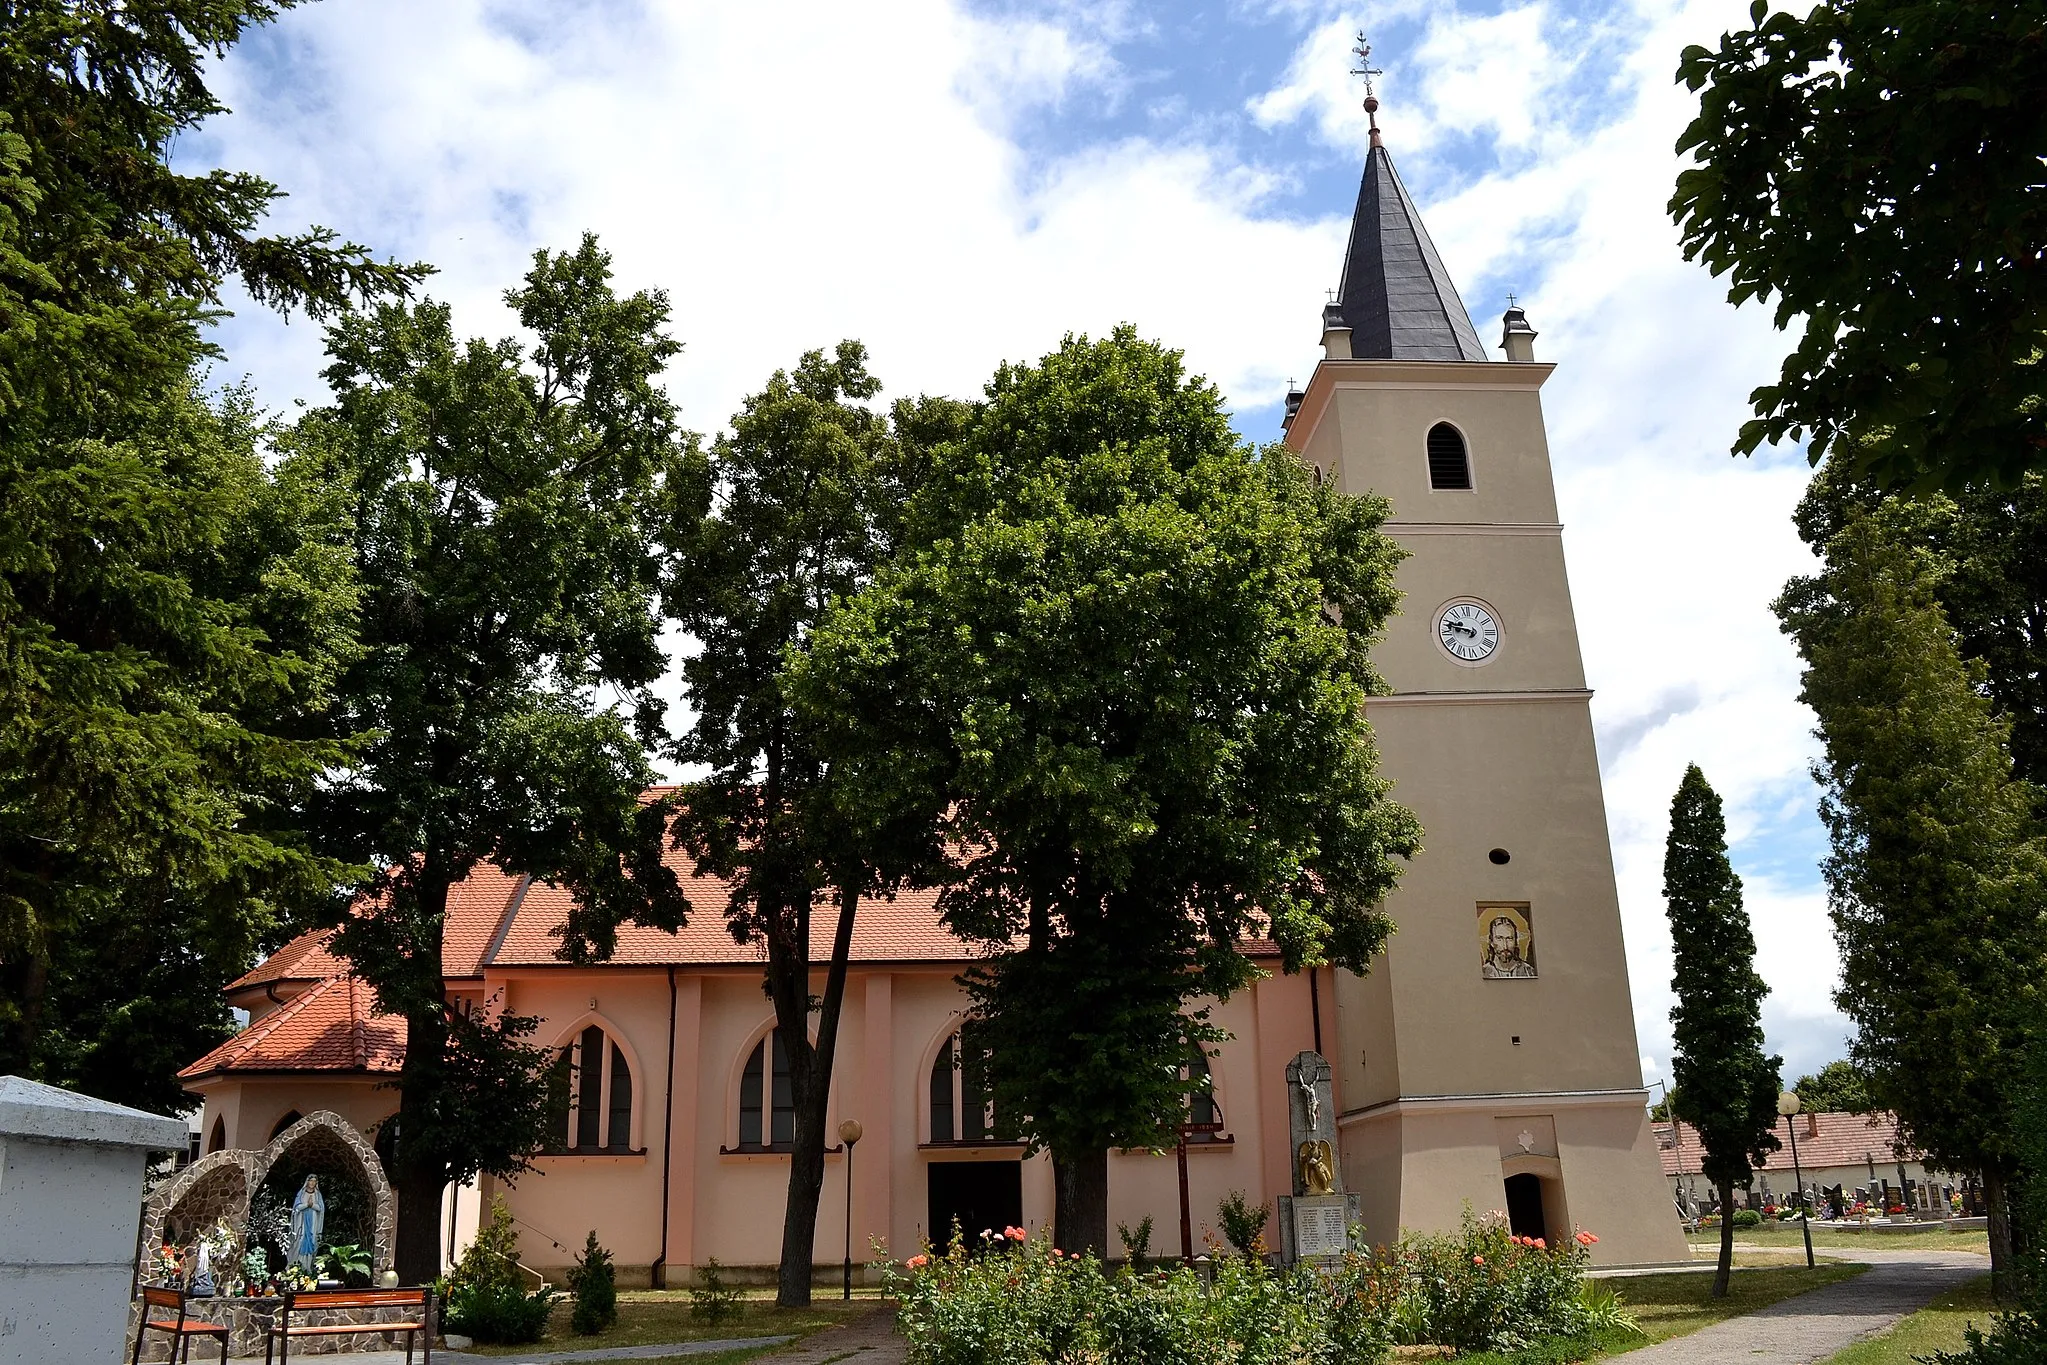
x,y
1321,1226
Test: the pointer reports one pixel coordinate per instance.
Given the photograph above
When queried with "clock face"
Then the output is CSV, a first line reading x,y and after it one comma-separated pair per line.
x,y
1468,631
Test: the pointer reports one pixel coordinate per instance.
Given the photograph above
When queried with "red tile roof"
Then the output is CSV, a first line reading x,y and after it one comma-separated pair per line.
x,y
1823,1140
332,1026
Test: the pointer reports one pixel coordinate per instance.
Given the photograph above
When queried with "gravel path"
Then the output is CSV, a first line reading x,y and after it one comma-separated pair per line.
x,y
1814,1325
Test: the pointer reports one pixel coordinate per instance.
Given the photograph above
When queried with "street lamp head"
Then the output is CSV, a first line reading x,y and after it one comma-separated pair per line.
x,y
850,1131
1787,1103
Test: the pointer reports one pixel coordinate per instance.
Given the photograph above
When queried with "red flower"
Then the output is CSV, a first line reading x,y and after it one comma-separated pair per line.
x,y
1586,1239
1538,1244
1478,1260
917,1262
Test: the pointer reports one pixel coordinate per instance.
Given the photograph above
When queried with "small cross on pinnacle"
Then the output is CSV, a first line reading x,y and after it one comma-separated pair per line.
x,y
1364,67
1363,52
1511,300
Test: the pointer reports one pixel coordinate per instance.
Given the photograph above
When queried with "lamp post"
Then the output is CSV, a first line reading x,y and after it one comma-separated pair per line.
x,y
849,1133
1788,1105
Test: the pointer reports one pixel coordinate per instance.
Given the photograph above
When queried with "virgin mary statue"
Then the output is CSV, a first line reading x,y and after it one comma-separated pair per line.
x,y
308,1218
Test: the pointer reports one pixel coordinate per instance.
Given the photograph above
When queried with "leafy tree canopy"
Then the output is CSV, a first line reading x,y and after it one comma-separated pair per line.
x,y
1875,167
510,513
1119,665
1936,857
1836,1088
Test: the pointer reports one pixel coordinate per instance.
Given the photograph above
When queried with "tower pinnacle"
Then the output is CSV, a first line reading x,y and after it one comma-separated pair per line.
x,y
1363,52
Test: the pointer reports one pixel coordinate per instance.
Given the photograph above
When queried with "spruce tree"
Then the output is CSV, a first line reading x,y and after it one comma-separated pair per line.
x,y
1726,1086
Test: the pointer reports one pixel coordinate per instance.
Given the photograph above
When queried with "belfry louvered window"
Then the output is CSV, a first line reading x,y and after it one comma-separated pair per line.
x,y
1449,462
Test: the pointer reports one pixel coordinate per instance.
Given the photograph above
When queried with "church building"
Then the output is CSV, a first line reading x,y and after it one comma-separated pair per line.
x,y
1488,1061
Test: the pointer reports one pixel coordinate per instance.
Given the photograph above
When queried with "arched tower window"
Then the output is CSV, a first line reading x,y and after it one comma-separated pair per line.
x,y
291,1116
590,1095
767,1102
216,1141
1449,461
962,1103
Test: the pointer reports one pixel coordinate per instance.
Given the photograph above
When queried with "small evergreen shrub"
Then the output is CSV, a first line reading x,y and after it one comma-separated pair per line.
x,y
711,1300
595,1285
1243,1223
1136,1245
1747,1218
486,1297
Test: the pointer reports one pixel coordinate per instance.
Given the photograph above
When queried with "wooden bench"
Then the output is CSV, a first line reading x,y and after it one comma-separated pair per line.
x,y
180,1328
419,1322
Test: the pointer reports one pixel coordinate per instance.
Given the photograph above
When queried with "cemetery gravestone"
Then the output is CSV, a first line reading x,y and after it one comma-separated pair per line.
x,y
1315,1222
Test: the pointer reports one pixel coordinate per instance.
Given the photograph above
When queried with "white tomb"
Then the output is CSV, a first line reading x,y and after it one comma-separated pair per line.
x,y
71,1171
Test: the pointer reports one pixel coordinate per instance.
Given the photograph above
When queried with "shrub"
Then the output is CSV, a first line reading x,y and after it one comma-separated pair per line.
x,y
1243,1223
1024,1302
486,1298
595,1286
1482,1288
1136,1245
712,1300
1747,1218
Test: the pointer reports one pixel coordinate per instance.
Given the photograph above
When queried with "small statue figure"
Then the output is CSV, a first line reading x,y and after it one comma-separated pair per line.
x,y
202,1273
308,1220
1316,1163
1311,1098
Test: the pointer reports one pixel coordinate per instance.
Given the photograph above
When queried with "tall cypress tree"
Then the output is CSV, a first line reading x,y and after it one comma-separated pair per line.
x,y
1726,1086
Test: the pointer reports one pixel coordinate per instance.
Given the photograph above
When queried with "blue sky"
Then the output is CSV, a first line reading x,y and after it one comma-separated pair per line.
x,y
958,183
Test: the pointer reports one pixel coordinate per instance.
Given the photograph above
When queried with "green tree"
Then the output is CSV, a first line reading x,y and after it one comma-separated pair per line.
x,y
1726,1086
1991,545
168,610
808,483
511,514
1836,1088
1936,874
1874,166
1119,665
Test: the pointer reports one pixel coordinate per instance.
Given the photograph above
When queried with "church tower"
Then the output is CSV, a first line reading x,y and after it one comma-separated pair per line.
x,y
1489,1059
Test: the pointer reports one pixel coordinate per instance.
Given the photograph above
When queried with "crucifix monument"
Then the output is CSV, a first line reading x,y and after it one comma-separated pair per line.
x,y
1315,1221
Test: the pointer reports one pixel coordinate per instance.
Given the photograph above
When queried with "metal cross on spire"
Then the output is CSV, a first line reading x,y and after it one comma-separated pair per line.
x,y
1364,67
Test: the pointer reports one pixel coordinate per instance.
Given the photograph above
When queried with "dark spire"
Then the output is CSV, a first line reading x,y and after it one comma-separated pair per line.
x,y
1396,296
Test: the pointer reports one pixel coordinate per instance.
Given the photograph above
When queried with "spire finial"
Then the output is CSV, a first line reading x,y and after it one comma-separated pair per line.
x,y
1364,67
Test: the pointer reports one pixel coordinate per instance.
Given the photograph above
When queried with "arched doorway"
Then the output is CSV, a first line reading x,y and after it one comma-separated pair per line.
x,y
1524,1206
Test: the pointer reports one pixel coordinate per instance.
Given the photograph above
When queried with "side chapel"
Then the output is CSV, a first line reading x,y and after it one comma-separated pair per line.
x,y
1488,1060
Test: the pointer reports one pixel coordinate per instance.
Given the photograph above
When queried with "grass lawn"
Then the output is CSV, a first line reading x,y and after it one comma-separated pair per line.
x,y
651,1317
1936,1327
1787,1235
1672,1305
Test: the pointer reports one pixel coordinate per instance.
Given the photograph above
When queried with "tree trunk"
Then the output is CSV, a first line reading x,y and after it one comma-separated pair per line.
x,y
1725,1271
420,1177
810,1084
1996,1205
1080,1207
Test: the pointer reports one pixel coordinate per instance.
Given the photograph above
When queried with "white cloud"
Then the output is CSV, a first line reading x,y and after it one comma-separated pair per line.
x,y
859,171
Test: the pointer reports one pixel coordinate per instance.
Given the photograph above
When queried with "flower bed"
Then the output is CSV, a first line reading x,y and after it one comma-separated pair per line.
x,y
1021,1301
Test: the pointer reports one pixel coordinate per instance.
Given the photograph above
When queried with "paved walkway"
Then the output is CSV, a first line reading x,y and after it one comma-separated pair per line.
x,y
1814,1325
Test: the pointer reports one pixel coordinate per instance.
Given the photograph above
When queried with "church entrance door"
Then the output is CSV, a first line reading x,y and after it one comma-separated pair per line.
x,y
976,1194
1524,1206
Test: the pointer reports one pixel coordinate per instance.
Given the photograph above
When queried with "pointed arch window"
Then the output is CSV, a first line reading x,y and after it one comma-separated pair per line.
x,y
1449,461
962,1098
291,1116
590,1095
216,1140
767,1101
1204,1115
